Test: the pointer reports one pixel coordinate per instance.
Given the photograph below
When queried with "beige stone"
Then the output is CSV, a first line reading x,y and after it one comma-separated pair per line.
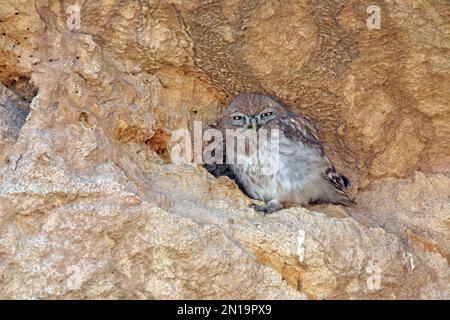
x,y
92,208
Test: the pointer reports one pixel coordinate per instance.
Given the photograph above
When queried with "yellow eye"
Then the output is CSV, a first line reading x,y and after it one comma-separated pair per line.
x,y
237,118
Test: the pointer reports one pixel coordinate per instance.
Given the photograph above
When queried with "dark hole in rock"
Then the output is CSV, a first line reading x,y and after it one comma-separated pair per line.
x,y
14,110
87,120
223,169
83,117
158,143
21,86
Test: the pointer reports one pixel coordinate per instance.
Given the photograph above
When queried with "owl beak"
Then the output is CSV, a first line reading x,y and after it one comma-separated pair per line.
x,y
254,123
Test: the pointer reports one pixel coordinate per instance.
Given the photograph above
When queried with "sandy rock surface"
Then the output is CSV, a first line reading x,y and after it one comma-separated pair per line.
x,y
91,207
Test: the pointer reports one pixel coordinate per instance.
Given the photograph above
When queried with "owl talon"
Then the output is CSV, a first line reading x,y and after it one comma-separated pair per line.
x,y
269,208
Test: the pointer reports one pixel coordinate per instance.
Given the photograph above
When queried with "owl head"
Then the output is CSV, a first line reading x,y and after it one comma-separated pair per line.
x,y
252,111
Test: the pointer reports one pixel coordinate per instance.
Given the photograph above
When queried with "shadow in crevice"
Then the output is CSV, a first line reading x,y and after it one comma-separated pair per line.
x,y
14,110
21,87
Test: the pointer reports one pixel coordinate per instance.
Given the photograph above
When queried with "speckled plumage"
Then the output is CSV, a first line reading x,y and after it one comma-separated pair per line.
x,y
305,174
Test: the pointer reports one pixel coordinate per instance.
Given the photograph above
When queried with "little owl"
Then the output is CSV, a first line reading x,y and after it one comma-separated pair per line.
x,y
304,173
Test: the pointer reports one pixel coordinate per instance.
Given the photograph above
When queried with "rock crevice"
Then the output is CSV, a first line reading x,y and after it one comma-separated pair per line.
x,y
91,207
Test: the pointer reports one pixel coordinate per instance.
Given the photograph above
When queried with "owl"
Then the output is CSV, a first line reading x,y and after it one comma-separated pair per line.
x,y
303,175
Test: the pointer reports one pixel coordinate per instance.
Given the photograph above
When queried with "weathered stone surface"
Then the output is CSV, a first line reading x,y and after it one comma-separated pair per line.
x,y
13,113
90,206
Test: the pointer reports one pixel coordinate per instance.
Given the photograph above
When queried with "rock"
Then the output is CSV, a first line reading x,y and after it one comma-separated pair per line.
x,y
13,113
91,207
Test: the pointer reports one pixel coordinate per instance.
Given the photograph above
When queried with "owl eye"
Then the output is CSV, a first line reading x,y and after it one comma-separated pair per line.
x,y
266,114
237,118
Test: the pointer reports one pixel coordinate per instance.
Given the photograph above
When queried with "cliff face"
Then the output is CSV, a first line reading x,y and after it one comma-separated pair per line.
x,y
90,206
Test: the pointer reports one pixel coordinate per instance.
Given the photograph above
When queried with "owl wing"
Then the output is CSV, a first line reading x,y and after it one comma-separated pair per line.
x,y
300,129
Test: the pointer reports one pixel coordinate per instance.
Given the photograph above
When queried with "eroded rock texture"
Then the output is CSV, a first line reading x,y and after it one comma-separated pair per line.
x,y
90,206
